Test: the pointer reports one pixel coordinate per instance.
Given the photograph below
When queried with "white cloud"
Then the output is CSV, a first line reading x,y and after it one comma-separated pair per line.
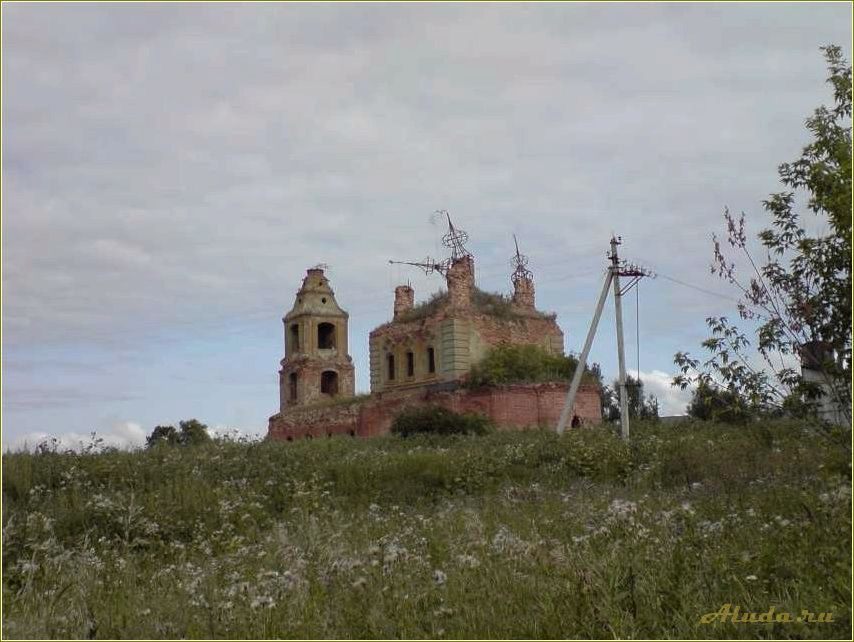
x,y
125,435
671,400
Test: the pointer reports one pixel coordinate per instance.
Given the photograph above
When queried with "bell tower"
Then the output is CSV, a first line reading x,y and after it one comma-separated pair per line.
x,y
317,365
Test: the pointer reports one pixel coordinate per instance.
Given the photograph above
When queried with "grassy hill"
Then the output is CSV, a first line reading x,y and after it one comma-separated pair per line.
x,y
508,535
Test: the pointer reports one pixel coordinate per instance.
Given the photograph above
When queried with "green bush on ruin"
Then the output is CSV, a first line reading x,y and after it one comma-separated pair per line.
x,y
508,363
437,420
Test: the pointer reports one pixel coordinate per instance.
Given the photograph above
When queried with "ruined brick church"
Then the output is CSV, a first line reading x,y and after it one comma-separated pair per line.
x,y
422,356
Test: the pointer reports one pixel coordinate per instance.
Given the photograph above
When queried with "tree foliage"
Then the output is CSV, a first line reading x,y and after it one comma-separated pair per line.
x,y
162,435
710,403
640,406
190,432
798,295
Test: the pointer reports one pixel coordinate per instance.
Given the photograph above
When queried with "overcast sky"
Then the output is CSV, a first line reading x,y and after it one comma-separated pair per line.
x,y
170,171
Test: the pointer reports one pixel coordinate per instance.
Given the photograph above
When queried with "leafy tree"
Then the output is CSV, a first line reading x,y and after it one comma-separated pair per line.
x,y
191,432
640,407
710,403
799,294
162,435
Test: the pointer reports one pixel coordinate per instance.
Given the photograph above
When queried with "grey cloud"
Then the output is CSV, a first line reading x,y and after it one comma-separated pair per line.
x,y
173,169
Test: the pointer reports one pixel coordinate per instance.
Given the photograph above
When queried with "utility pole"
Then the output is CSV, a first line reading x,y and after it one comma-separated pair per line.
x,y
621,352
582,360
615,271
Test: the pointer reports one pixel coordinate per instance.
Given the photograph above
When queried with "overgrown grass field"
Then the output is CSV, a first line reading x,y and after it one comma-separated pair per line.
x,y
508,535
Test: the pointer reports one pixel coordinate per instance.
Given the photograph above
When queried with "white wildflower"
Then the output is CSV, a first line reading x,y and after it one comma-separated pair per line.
x,y
439,577
468,560
622,508
262,601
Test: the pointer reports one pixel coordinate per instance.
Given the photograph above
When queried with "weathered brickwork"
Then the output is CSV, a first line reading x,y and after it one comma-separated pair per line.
x,y
511,407
316,366
441,342
420,357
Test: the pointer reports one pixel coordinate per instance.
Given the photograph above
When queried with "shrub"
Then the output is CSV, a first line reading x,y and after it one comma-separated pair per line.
x,y
425,308
524,364
190,432
439,421
491,303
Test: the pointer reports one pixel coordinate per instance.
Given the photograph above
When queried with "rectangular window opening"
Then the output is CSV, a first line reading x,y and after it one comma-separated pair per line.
x,y
431,360
390,361
410,364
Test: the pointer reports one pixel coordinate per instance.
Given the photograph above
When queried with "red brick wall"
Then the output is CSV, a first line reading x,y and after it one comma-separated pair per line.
x,y
511,407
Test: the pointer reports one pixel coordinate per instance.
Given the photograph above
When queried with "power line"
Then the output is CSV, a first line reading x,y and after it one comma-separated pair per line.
x,y
696,287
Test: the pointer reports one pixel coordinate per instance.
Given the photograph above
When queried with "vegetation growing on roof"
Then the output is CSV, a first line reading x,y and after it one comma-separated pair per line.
x,y
425,308
526,364
326,402
489,303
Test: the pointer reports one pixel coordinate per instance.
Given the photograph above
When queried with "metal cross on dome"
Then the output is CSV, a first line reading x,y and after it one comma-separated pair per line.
x,y
520,263
454,239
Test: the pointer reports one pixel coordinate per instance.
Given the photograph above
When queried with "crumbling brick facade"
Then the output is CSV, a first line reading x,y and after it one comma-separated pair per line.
x,y
445,337
422,356
317,365
510,407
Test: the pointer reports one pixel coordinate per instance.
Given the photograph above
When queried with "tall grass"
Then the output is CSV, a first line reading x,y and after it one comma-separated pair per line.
x,y
505,535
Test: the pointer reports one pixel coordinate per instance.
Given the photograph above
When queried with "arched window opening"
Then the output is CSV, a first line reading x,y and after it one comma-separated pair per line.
x,y
431,360
329,382
390,363
293,386
352,433
410,364
295,337
325,336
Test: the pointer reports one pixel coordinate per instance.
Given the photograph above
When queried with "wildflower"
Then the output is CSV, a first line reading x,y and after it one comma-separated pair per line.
x,y
262,601
439,577
393,552
622,508
468,560
751,578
